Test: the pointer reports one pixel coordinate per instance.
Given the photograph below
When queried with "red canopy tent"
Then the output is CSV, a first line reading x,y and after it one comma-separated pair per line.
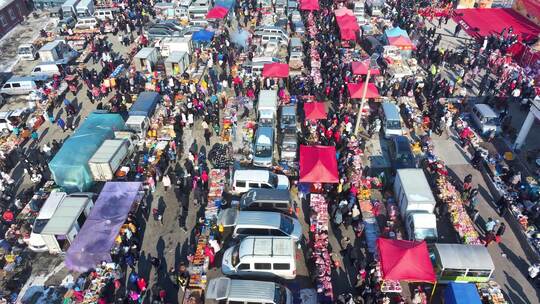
x,y
279,70
309,5
480,22
357,89
405,261
401,42
315,110
362,67
217,12
318,164
348,26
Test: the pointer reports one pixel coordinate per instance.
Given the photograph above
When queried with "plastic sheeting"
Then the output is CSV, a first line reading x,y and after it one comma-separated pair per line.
x,y
69,167
461,293
95,239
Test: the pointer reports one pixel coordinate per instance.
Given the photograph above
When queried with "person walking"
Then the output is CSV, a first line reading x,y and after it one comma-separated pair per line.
x,y
500,232
61,123
457,30
166,182
490,225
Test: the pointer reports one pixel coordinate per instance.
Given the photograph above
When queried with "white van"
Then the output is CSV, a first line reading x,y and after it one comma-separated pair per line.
x,y
86,23
486,119
264,145
36,242
261,256
244,180
259,223
224,290
105,13
391,120
46,69
17,85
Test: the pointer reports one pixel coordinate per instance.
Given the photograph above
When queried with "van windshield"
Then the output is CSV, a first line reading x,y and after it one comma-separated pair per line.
x,y
290,147
393,124
280,296
235,258
263,151
494,121
39,225
286,224
288,119
425,234
273,179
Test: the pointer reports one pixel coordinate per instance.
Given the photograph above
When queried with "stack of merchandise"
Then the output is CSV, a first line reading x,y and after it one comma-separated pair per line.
x,y
321,256
216,185
491,293
314,53
220,156
458,215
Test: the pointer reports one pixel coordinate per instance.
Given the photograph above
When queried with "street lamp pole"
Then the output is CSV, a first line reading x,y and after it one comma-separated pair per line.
x,y
372,65
364,94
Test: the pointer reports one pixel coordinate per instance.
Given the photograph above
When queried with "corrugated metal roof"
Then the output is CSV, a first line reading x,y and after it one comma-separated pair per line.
x,y
457,256
257,291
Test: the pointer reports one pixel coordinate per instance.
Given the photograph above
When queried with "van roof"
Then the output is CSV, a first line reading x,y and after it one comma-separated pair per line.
x,y
259,219
50,205
266,246
288,110
390,110
51,45
486,110
65,215
424,220
252,174
27,78
269,194
241,290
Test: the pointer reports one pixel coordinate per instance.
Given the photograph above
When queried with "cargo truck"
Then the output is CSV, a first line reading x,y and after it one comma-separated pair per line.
x,y
57,52
141,111
416,204
108,159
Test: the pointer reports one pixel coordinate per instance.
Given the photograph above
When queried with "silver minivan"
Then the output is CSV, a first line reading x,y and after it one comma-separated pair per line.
x,y
17,85
391,120
264,147
224,290
486,119
259,223
267,200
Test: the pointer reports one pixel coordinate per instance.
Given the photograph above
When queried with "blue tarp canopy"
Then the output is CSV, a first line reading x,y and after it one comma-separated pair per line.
x,y
395,32
203,36
69,167
225,3
93,243
461,293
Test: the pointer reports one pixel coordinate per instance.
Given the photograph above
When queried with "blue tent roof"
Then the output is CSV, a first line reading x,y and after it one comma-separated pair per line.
x,y
461,293
225,3
395,32
202,35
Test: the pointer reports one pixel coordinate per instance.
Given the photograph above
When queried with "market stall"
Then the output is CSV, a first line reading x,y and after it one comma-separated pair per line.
x,y
206,233
318,164
319,243
94,241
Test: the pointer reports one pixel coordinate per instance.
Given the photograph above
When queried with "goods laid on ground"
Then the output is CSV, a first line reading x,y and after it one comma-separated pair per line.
x,y
320,254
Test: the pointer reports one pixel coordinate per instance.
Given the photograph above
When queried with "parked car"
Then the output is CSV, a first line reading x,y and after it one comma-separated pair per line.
x,y
401,153
299,28
160,32
371,45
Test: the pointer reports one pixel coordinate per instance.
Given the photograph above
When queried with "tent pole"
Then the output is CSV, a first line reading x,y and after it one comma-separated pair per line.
x,y
433,292
364,93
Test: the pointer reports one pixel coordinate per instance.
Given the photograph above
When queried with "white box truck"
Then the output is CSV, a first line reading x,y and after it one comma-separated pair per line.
x,y
108,158
59,221
58,52
416,204
267,108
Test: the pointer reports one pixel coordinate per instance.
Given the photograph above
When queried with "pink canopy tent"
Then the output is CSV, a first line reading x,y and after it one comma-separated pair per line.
x,y
405,261
401,42
362,67
315,110
217,12
318,164
279,70
357,89
343,11
309,5
348,26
